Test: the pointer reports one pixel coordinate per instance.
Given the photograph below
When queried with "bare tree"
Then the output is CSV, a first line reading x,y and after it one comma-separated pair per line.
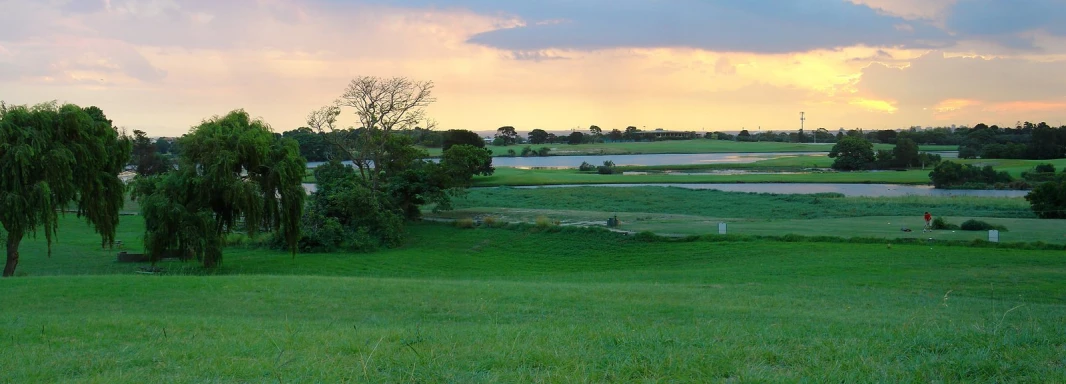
x,y
382,105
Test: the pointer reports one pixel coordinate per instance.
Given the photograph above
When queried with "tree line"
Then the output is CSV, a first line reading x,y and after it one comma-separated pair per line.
x,y
231,174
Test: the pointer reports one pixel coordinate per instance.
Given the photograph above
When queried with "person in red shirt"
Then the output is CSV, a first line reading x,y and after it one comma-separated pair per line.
x,y
928,222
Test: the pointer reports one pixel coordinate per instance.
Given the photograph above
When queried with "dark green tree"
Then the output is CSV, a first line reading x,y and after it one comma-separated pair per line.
x,y
905,154
233,175
507,135
538,136
162,146
52,156
145,156
1048,200
575,138
313,145
852,153
461,136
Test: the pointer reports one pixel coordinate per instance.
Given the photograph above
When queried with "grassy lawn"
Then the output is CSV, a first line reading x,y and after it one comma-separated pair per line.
x,y
682,211
756,206
506,305
681,146
702,173
519,177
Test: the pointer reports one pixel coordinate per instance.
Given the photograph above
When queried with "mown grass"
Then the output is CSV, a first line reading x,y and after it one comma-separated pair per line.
x,y
529,177
503,305
755,206
681,146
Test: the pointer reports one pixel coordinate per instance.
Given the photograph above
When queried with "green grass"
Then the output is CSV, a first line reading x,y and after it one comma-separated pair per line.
x,y
672,210
757,206
526,177
501,305
697,173
680,146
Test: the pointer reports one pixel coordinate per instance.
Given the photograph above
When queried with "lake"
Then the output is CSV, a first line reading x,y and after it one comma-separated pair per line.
x,y
868,190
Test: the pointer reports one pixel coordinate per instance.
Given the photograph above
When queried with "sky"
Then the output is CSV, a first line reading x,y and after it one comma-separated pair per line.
x,y
163,66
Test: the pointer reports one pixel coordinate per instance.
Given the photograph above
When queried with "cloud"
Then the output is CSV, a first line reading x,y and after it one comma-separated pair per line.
x,y
764,26
933,78
1009,23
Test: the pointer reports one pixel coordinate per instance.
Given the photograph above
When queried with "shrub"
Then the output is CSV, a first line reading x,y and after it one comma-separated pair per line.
x,y
978,225
940,223
544,221
465,223
489,221
586,167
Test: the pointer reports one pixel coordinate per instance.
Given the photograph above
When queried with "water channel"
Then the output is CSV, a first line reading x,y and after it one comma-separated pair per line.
x,y
870,190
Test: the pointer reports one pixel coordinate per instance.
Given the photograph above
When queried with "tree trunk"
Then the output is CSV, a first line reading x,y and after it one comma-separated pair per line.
x,y
13,240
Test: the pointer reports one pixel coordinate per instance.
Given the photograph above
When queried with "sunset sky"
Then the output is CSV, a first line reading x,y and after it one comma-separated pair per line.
x,y
162,66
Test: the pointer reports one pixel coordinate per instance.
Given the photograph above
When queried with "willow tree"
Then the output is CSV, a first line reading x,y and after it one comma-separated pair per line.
x,y
233,174
53,157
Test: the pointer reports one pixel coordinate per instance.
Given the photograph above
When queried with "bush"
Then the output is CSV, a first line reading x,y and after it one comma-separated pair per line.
x,y
544,222
586,167
489,221
978,225
465,223
940,223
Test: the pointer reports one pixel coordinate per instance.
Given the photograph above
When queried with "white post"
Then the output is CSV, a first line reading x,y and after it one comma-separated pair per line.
x,y
721,228
993,235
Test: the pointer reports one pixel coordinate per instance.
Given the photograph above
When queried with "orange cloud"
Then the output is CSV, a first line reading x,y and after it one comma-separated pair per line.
x,y
875,105
1028,106
951,105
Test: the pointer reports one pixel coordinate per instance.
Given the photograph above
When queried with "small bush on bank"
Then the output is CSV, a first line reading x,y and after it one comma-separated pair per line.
x,y
465,223
978,225
941,223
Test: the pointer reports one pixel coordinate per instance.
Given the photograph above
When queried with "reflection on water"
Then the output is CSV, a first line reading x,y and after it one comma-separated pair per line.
x,y
870,190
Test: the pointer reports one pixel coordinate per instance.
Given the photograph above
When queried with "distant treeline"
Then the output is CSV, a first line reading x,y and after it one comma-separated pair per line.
x,y
1024,141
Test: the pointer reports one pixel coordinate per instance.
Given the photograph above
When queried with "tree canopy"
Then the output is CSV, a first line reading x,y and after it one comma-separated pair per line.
x,y
146,157
852,153
507,135
364,207
233,173
461,136
54,156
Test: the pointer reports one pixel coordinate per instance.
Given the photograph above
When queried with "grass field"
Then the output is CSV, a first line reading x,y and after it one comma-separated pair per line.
x,y
528,177
700,173
506,305
670,210
681,146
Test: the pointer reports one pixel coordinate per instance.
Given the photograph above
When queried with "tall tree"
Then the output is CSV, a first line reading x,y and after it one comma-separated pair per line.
x,y
146,157
851,153
393,180
507,135
461,136
575,138
905,152
232,172
53,156
538,136
383,105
